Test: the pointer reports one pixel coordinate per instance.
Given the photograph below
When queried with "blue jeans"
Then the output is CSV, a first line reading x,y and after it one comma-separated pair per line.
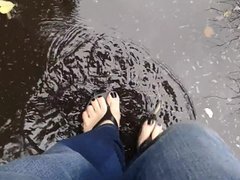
x,y
184,151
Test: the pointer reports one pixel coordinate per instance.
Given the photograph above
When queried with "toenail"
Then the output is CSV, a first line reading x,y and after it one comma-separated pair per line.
x,y
93,99
99,96
113,94
150,122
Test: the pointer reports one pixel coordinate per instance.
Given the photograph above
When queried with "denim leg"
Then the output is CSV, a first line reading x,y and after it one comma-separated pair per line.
x,y
59,163
186,151
102,147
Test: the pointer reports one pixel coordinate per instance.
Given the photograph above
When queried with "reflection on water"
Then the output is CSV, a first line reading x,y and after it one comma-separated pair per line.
x,y
227,22
182,34
56,54
51,66
23,60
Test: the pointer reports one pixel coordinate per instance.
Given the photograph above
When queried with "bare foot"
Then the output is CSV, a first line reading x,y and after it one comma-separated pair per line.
x,y
148,130
98,108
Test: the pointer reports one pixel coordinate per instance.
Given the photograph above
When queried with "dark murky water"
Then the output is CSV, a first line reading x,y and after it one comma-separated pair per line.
x,y
53,61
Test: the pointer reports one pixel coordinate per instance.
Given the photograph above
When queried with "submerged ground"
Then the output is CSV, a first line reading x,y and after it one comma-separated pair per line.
x,y
55,55
194,38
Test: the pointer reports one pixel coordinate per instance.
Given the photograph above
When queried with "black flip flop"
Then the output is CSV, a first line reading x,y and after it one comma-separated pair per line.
x,y
108,115
149,141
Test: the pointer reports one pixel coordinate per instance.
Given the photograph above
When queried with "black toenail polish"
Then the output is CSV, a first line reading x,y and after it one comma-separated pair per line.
x,y
93,99
150,122
113,94
99,96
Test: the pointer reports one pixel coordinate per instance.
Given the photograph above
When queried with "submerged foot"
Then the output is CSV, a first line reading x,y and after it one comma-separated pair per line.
x,y
150,130
98,108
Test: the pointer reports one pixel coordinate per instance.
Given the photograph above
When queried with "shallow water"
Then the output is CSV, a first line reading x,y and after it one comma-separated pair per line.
x,y
54,60
173,31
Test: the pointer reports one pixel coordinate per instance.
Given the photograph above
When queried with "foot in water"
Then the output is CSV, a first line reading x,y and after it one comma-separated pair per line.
x,y
98,108
150,130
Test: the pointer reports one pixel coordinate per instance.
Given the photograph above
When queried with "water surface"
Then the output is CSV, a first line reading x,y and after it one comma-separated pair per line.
x,y
54,61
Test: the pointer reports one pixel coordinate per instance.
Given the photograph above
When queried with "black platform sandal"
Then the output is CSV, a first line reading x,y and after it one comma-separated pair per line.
x,y
108,115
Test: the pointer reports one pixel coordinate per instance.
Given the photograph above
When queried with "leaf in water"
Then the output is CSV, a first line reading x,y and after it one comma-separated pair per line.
x,y
6,6
208,32
227,13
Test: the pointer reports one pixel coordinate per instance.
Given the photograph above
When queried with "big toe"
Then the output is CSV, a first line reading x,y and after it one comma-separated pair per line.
x,y
157,131
113,101
146,131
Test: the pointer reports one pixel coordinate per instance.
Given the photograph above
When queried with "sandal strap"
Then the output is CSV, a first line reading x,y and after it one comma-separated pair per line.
x,y
106,117
147,143
144,145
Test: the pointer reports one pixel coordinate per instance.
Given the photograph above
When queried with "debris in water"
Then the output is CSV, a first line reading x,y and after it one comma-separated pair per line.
x,y
6,7
209,112
208,32
237,8
227,13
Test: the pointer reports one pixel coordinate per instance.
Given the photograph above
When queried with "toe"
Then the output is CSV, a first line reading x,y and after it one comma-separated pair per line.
x,y
102,103
95,105
147,129
157,131
90,111
85,116
113,99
